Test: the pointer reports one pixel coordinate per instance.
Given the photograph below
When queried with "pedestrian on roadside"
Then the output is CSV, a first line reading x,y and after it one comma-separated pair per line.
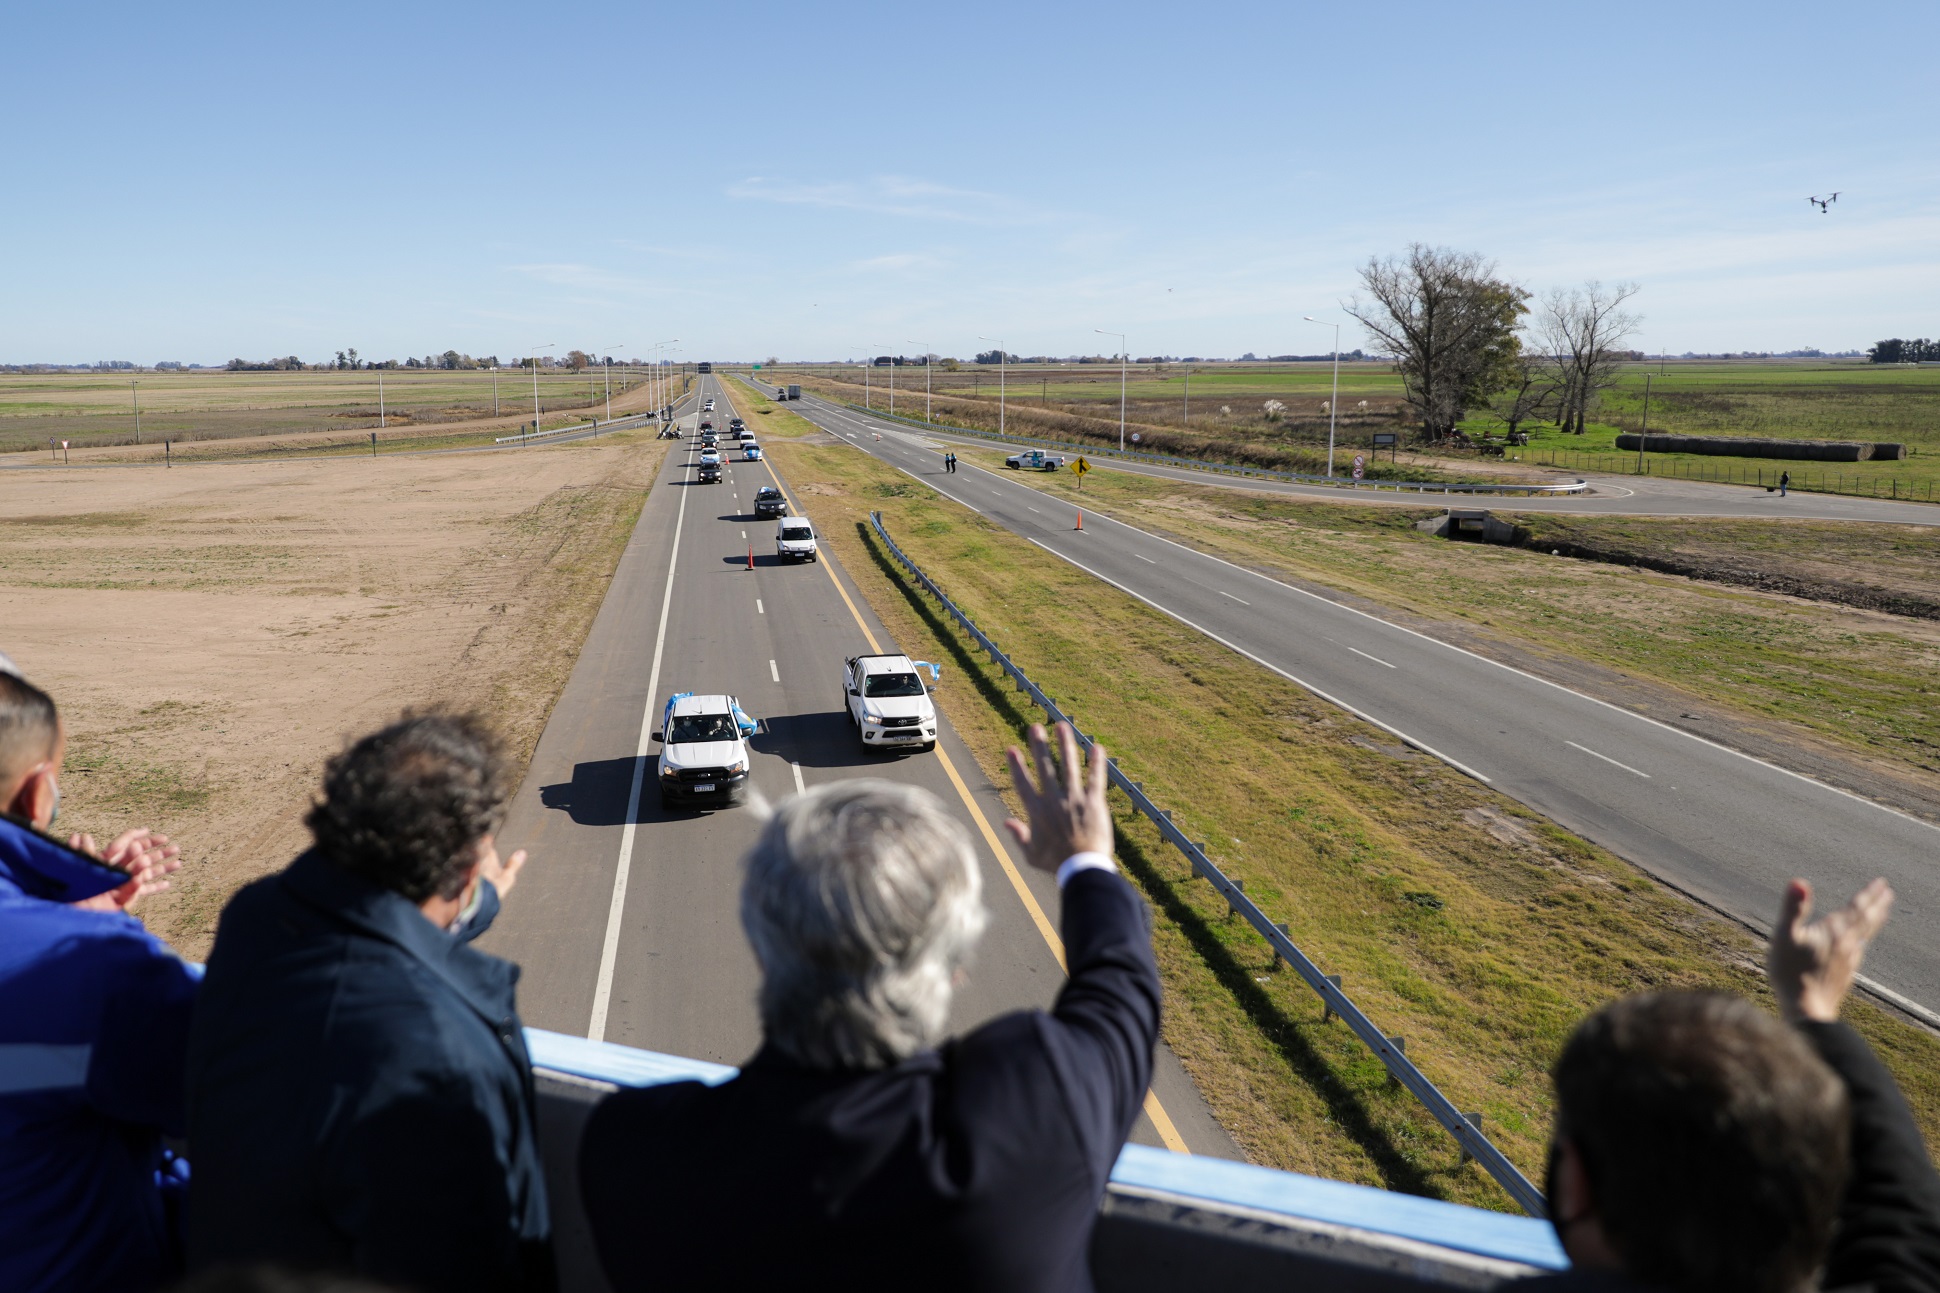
x,y
1784,482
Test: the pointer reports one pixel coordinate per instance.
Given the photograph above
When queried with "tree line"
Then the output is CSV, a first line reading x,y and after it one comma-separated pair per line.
x,y
1894,350
1465,337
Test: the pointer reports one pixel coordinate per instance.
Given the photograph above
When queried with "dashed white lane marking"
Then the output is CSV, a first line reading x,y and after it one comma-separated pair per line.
x,y
1029,508
744,534
1364,655
757,607
796,768
1147,560
774,672
1594,755
1242,601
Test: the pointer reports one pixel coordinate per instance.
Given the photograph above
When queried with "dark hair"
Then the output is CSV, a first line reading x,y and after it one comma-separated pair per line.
x,y
274,1279
404,807
29,725
1714,1140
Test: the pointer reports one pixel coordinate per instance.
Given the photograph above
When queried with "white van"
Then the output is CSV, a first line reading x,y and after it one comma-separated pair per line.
x,y
794,539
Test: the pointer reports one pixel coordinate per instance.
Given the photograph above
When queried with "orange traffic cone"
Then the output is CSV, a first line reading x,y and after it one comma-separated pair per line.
x,y
1081,519
751,556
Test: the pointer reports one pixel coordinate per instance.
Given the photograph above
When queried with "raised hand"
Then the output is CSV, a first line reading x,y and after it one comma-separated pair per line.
x,y
1812,963
1064,819
147,857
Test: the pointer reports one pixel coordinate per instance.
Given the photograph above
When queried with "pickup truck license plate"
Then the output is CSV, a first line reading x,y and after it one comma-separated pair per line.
x,y
703,787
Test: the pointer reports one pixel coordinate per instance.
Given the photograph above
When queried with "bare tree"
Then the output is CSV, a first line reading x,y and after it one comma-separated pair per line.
x,y
1580,330
1535,383
1451,325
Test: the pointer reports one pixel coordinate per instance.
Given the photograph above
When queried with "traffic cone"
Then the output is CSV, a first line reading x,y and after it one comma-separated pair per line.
x,y
751,556
1081,519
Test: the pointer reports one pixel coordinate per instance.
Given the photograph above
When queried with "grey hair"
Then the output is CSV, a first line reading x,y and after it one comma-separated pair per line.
x,y
862,899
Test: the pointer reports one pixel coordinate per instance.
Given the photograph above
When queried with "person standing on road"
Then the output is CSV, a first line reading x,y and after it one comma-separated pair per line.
x,y
1784,482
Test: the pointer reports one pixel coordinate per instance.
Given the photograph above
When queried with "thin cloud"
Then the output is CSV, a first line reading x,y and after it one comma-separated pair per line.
x,y
895,195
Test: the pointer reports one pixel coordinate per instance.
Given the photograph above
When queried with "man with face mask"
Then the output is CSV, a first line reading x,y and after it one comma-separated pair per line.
x,y
94,1024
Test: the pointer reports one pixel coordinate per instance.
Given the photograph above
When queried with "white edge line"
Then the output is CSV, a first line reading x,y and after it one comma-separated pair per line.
x,y
1506,668
610,947
1365,717
1242,601
1606,758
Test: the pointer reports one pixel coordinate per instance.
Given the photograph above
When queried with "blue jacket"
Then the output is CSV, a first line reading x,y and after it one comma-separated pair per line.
x,y
94,1023
360,1097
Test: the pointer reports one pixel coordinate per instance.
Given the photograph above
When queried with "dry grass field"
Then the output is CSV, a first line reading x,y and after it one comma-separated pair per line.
x,y
214,632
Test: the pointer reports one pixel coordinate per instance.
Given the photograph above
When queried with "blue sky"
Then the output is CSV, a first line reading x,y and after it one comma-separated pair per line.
x,y
203,181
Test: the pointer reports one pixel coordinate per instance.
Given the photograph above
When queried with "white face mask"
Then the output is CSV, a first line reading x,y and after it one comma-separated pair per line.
x,y
54,816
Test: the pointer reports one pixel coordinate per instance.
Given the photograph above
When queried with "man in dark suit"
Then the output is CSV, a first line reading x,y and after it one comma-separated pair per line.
x,y
853,1151
360,1098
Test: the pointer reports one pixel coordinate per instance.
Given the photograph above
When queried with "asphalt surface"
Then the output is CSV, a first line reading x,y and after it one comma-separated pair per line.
x,y
1724,827
625,921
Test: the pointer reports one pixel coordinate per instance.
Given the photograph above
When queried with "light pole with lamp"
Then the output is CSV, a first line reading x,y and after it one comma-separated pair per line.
x,y
1002,359
607,363
535,383
660,376
1333,405
926,377
1123,353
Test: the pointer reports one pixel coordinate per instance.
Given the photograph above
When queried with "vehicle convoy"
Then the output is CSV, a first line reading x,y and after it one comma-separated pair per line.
x,y
751,451
769,501
703,750
709,468
887,702
1035,460
794,539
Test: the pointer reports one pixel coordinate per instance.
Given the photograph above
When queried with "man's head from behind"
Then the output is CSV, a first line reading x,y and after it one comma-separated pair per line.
x,y
407,807
862,901
31,744
1700,1143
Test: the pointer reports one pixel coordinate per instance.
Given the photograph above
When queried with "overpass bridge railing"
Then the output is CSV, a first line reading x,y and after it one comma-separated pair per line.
x,y
1465,1128
1170,1223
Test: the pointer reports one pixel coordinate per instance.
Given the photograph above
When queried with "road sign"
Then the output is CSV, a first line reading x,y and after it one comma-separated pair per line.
x,y
1385,437
1360,465
1080,466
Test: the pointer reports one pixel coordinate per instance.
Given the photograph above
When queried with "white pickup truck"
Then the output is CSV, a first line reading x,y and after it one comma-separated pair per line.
x,y
703,750
1035,460
887,701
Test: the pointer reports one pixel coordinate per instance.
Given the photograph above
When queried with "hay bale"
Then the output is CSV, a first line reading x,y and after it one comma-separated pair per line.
x,y
1752,447
1889,452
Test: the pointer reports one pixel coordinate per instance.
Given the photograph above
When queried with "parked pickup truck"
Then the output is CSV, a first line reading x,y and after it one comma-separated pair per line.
x,y
1035,460
887,702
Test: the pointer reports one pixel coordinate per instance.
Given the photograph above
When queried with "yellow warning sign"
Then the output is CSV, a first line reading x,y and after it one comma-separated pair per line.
x,y
1080,466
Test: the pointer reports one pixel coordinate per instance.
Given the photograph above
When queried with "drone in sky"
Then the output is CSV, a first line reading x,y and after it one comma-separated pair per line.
x,y
1824,204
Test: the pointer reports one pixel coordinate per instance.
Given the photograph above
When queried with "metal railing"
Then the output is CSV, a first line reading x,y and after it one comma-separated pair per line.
x,y
1465,1128
1221,468
615,424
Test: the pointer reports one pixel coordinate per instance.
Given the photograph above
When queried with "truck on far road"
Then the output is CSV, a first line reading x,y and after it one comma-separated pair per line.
x,y
794,392
1035,460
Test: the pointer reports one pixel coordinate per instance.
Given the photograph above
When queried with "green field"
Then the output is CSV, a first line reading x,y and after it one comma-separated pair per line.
x,y
98,409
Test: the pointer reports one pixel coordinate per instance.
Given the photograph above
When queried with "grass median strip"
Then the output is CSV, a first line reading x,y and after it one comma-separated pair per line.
x,y
1460,921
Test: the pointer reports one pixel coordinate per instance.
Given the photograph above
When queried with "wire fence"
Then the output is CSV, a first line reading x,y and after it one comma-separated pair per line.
x,y
1466,1128
1805,480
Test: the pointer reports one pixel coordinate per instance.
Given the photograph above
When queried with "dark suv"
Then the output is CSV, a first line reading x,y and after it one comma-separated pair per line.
x,y
768,501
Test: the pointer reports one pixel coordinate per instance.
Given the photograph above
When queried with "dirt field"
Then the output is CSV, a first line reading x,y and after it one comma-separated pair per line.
x,y
213,632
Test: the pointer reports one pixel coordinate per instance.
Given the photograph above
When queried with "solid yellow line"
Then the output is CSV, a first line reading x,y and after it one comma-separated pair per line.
x,y
1161,1122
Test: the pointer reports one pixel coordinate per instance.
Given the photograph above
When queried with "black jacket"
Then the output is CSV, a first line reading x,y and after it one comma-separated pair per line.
x,y
1888,1238
360,1097
976,1166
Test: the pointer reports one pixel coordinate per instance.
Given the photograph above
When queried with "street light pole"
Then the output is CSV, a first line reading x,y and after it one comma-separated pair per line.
x,y
1001,360
1646,430
926,377
1333,405
380,399
660,377
608,365
137,397
535,383
1124,353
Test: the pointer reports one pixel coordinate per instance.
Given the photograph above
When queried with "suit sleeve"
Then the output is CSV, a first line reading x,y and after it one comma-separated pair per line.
x,y
1889,1220
137,1073
1106,1021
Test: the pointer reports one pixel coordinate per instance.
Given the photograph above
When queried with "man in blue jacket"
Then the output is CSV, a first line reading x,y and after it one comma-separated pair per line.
x,y
360,1097
94,1022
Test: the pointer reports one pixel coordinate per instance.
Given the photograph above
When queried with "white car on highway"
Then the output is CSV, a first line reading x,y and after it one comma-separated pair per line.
x,y
795,539
703,750
751,451
888,703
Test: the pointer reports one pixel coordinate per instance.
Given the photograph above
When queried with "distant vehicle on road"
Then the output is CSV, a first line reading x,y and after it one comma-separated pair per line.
x,y
1035,460
710,469
794,392
751,451
736,425
708,407
703,368
707,424
703,750
795,539
769,501
887,702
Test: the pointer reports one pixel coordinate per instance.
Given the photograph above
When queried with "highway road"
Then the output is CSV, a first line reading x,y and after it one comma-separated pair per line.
x,y
1715,823
626,920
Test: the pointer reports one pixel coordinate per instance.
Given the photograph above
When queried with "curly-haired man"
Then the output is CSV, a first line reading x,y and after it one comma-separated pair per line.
x,y
360,1097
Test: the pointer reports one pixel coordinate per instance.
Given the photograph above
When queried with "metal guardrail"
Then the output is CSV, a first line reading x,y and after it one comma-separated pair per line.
x,y
616,424
1389,1050
1223,469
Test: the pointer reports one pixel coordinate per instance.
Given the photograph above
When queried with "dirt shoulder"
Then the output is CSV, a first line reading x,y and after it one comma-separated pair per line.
x,y
214,632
